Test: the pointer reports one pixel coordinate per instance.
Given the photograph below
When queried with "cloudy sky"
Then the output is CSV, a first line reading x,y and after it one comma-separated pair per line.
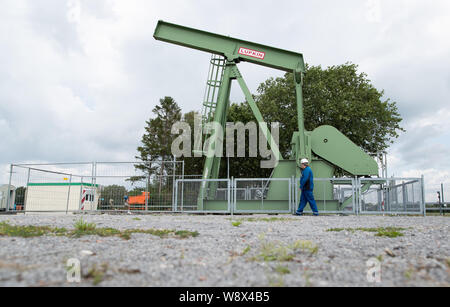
x,y
79,78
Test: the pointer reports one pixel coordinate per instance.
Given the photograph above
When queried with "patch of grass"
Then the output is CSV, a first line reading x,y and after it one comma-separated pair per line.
x,y
282,270
447,261
336,229
236,223
162,233
87,229
390,232
29,231
306,246
137,219
183,234
273,251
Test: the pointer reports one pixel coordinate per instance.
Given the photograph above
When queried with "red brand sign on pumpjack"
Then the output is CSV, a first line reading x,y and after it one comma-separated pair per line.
x,y
252,53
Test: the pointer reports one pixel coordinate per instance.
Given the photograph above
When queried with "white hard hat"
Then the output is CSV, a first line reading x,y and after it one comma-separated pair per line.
x,y
304,161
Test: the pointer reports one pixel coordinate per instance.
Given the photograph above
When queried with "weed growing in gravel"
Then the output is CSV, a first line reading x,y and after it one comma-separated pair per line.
x,y
236,223
246,250
282,270
409,274
136,219
81,226
390,232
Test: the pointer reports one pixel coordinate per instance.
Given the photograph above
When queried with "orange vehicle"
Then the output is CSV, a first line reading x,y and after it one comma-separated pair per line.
x,y
138,202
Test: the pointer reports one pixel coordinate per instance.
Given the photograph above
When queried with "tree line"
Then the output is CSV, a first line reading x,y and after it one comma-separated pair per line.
x,y
338,96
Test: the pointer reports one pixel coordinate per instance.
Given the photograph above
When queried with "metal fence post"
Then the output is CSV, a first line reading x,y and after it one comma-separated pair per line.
x,y
93,171
182,196
235,195
229,187
424,206
26,190
8,196
81,194
357,195
290,194
231,196
175,196
68,194
173,182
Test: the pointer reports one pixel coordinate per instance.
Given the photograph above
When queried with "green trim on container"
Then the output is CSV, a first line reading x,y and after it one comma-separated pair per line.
x,y
61,184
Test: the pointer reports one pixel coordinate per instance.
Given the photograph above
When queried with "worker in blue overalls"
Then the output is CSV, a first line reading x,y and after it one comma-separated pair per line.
x,y
307,189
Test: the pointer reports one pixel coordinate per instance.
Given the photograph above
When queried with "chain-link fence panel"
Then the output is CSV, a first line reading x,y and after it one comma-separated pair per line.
x,y
391,196
266,195
203,196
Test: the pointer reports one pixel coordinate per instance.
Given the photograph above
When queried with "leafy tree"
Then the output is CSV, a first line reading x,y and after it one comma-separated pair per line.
x,y
157,140
338,96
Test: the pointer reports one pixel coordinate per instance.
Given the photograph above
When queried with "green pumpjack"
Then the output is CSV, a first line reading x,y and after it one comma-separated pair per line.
x,y
326,147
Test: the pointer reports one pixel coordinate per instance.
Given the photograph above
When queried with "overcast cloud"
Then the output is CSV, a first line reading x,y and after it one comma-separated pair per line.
x,y
78,79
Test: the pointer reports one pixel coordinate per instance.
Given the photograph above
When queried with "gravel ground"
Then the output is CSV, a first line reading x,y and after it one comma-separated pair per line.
x,y
224,255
